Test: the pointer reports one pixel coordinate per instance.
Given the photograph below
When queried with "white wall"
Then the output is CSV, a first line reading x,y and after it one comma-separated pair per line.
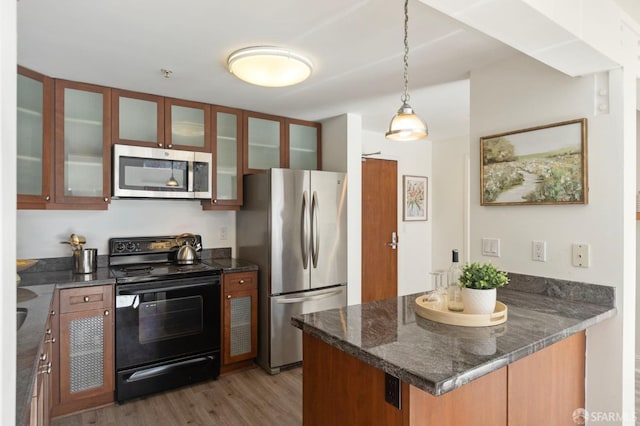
x,y
414,238
450,200
520,93
7,209
341,144
39,232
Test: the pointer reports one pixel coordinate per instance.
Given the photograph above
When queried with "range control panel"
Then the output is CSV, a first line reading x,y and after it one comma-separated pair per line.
x,y
150,245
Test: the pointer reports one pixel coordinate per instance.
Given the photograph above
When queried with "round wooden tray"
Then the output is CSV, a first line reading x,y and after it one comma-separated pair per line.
x,y
437,311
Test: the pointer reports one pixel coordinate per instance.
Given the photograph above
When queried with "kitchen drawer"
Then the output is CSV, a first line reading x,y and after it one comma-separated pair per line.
x,y
86,298
239,281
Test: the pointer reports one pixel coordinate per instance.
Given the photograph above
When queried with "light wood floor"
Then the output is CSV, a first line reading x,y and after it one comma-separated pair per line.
x,y
250,397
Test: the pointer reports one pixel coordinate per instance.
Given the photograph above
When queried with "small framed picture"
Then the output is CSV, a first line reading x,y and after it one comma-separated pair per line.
x,y
414,197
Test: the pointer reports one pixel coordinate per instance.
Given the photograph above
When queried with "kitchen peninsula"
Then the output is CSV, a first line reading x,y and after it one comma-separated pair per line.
x,y
529,370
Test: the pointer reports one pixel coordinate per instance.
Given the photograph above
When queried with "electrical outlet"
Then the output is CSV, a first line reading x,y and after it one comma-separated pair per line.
x,y
223,233
539,251
580,255
491,247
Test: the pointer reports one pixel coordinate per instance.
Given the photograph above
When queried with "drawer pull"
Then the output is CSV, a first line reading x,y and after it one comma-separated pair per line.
x,y
86,298
241,281
106,313
48,332
43,356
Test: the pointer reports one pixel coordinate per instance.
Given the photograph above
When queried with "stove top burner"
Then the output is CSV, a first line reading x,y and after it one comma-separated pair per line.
x,y
152,259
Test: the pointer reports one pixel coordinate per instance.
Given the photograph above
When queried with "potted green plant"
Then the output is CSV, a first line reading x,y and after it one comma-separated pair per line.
x,y
479,283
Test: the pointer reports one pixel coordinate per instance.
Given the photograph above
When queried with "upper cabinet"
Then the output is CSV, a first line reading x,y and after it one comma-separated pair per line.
x,y
227,153
272,141
34,135
304,144
158,122
138,119
264,146
82,145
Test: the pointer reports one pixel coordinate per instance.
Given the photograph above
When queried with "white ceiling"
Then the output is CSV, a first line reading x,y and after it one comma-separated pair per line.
x,y
356,47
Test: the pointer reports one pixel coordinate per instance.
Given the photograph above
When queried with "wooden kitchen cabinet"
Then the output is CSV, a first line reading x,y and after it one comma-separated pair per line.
x,y
41,399
227,153
157,122
86,368
82,145
240,319
263,142
272,141
303,142
34,137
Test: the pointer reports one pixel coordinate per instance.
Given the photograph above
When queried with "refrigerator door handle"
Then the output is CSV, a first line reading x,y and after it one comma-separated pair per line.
x,y
304,232
308,298
315,234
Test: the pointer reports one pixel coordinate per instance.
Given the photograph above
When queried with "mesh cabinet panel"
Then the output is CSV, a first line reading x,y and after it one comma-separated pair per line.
x,y
86,353
240,325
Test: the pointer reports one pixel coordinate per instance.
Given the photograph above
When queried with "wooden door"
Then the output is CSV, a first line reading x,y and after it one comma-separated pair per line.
x,y
379,222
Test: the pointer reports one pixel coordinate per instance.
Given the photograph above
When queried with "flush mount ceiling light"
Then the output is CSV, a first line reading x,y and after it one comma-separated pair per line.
x,y
406,125
269,66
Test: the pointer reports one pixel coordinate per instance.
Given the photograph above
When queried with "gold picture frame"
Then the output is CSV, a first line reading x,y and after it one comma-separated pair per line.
x,y
539,165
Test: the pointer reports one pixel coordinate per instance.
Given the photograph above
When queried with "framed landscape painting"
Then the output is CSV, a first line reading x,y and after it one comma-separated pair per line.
x,y
415,197
539,165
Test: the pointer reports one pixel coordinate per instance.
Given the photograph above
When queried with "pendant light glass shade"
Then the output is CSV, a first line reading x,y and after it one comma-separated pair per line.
x,y
269,66
406,125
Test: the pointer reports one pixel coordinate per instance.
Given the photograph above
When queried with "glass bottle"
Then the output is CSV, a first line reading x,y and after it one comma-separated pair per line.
x,y
454,294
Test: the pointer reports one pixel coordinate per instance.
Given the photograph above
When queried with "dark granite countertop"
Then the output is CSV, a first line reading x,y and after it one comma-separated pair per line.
x,y
37,300
438,358
231,265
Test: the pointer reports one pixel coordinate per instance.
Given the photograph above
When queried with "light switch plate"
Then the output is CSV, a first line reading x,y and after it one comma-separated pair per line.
x,y
580,255
491,247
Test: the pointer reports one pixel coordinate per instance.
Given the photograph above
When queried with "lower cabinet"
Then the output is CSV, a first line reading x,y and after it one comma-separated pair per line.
x,y
84,375
239,319
41,399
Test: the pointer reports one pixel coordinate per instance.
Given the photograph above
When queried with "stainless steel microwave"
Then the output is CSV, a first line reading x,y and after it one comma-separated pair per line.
x,y
140,172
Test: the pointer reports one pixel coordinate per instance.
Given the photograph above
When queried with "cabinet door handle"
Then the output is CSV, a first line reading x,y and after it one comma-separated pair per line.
x,y
52,313
86,298
228,296
52,340
106,313
43,356
45,369
48,332
106,200
170,146
241,281
47,198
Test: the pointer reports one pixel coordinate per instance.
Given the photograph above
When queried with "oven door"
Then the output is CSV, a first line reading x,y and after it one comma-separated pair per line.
x,y
166,319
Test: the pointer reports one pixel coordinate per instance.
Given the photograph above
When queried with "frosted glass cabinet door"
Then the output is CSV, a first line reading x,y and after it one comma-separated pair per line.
x,y
34,132
264,148
188,125
82,143
138,119
304,145
227,156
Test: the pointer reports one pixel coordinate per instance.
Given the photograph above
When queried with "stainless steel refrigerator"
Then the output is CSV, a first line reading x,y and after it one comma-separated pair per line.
x,y
293,225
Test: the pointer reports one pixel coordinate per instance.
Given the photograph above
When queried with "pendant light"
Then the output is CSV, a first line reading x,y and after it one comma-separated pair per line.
x,y
172,181
406,125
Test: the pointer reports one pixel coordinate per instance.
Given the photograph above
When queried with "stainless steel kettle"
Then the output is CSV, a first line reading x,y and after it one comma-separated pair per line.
x,y
187,253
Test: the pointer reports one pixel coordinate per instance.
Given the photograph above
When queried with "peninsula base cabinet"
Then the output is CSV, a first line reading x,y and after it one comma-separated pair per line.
x,y
85,374
41,398
544,388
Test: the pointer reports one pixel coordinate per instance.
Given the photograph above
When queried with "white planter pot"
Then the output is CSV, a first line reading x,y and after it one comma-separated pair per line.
x,y
479,301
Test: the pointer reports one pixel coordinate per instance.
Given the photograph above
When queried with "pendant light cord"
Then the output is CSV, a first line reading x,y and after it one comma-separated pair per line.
x,y
405,95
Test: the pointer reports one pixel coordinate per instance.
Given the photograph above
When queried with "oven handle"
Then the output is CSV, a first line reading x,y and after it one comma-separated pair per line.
x,y
154,288
163,369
